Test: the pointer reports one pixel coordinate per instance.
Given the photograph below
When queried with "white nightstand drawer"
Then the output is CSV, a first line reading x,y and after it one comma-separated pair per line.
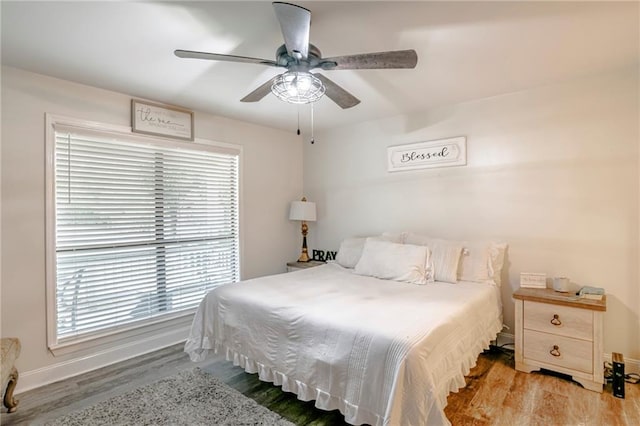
x,y
561,320
565,352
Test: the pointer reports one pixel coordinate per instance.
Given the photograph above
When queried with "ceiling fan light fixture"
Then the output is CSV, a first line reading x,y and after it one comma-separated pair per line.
x,y
298,87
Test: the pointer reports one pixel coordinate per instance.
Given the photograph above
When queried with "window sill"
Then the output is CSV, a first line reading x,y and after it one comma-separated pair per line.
x,y
125,336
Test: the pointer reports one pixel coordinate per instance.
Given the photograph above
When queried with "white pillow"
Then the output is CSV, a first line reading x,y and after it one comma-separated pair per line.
x,y
351,248
393,261
349,252
482,262
475,263
497,253
445,256
446,260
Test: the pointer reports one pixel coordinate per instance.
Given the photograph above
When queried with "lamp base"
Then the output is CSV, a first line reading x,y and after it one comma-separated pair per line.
x,y
304,256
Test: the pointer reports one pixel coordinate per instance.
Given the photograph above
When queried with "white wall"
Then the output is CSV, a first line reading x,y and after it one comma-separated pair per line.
x,y
552,171
271,178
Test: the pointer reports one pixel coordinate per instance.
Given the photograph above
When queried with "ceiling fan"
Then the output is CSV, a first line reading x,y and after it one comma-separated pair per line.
x,y
299,57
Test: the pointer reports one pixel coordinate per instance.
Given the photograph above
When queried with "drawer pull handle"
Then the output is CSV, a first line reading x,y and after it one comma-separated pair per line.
x,y
555,351
556,320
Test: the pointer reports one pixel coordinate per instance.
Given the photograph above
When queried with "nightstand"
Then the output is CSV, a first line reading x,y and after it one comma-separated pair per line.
x,y
562,333
296,266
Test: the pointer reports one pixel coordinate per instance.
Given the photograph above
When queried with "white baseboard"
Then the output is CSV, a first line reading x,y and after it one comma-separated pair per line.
x,y
63,370
630,365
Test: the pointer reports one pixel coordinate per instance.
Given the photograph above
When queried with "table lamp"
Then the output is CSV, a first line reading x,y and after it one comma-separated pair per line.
x,y
306,212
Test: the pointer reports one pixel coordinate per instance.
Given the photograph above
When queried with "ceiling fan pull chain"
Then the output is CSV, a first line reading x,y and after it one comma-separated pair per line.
x,y
312,139
298,120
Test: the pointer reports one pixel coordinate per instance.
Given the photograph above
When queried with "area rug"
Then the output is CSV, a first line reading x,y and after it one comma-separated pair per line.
x,y
191,397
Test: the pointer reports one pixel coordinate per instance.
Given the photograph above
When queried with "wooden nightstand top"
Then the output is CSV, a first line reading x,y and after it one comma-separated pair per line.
x,y
305,265
548,295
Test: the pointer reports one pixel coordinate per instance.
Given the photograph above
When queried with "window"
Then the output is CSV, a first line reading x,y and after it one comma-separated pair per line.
x,y
143,228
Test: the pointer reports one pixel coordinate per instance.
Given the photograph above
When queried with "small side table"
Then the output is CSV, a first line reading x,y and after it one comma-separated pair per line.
x,y
296,266
562,333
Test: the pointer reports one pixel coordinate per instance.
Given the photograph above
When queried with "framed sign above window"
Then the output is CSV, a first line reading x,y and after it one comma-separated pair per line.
x,y
423,155
161,120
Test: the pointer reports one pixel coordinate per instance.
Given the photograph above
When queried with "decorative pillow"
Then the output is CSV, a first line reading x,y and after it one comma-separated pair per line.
x,y
482,262
475,263
350,251
497,253
445,256
393,261
446,260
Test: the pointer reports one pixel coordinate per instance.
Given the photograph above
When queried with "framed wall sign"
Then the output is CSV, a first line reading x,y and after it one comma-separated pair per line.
x,y
423,155
161,120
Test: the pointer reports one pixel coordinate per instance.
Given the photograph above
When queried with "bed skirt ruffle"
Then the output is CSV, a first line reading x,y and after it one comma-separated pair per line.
x,y
199,348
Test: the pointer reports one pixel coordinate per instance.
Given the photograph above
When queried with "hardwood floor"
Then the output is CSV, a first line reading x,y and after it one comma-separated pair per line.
x,y
495,394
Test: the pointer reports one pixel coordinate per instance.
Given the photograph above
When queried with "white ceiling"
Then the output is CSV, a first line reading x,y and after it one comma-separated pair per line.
x,y
466,50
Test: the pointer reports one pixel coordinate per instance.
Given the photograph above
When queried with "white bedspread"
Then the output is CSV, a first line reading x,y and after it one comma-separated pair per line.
x,y
382,352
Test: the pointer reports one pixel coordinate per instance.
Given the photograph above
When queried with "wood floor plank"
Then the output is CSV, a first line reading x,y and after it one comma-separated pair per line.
x,y
458,401
518,405
632,408
584,406
487,402
459,419
550,409
613,411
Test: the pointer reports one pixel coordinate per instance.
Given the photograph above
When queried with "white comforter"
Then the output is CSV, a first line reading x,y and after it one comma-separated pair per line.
x,y
382,352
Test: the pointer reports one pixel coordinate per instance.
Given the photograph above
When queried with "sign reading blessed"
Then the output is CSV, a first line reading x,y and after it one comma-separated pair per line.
x,y
162,120
422,155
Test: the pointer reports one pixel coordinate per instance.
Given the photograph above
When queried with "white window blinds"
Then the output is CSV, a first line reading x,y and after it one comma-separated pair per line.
x,y
142,230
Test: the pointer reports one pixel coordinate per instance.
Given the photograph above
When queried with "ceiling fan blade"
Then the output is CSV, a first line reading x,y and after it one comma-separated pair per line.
x,y
337,94
220,57
295,22
260,92
378,60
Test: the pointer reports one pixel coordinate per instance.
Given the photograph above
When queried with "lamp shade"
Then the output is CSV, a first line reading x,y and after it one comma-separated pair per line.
x,y
303,210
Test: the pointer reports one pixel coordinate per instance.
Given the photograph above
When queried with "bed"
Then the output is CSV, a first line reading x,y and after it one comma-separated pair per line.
x,y
382,351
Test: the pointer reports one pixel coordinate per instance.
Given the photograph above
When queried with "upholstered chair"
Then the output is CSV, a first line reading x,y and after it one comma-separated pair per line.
x,y
9,352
